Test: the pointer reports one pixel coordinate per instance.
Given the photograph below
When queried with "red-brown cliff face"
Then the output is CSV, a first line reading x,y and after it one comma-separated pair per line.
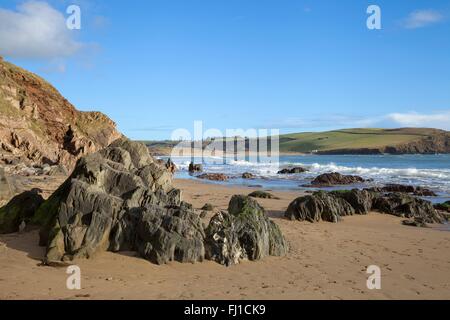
x,y
38,125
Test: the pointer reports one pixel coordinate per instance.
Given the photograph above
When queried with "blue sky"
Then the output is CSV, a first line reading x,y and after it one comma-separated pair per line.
x,y
157,65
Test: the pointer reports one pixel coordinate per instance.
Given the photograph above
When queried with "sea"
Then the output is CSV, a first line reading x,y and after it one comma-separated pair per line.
x,y
430,171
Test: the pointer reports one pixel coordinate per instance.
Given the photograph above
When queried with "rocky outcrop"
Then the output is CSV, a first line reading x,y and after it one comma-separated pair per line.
x,y
335,178
331,206
319,206
417,191
360,200
39,126
170,166
294,170
248,175
120,199
195,167
404,205
213,177
262,195
244,232
19,211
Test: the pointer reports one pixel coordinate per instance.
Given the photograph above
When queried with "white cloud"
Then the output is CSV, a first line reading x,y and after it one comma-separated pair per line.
x,y
413,119
422,18
36,30
438,120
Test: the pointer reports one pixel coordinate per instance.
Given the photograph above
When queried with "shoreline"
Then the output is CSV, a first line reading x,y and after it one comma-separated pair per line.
x,y
326,261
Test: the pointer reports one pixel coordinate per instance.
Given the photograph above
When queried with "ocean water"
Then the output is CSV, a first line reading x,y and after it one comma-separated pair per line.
x,y
431,171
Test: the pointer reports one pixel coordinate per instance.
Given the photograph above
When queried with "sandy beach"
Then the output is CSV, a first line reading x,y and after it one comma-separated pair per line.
x,y
326,261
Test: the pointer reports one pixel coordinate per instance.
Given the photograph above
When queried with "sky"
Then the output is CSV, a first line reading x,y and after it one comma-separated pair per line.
x,y
155,66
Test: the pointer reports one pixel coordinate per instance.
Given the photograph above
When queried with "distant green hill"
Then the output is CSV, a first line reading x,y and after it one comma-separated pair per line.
x,y
354,141
405,140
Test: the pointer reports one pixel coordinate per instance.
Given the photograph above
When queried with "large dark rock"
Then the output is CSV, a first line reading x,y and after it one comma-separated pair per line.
x,y
20,210
360,200
120,199
262,195
248,175
213,177
195,167
330,206
418,191
335,178
404,205
292,170
319,206
244,232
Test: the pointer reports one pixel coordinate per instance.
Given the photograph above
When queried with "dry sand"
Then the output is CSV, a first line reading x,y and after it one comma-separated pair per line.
x,y
327,261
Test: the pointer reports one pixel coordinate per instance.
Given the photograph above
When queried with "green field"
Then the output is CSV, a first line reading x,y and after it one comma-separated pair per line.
x,y
346,139
351,139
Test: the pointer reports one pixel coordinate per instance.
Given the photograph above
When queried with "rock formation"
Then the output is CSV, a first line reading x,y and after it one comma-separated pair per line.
x,y
292,170
331,206
120,199
335,178
39,126
248,175
417,191
213,176
244,232
195,167
262,195
19,211
319,206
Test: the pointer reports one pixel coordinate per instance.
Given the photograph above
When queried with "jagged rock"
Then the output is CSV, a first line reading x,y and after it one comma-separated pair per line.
x,y
248,175
213,176
360,200
120,199
292,170
330,206
195,167
335,178
319,206
262,195
404,205
244,232
20,210
418,191
170,166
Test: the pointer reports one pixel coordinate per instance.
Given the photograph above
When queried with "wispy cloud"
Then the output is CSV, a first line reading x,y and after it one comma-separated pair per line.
x,y
36,30
413,119
438,120
422,18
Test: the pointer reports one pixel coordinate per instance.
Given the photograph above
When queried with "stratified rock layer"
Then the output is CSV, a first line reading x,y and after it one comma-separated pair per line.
x,y
39,126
